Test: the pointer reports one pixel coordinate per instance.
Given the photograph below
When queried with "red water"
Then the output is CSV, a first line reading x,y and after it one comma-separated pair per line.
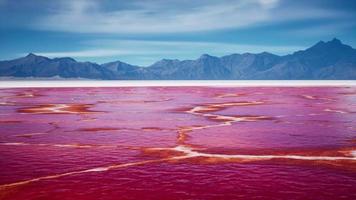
x,y
178,143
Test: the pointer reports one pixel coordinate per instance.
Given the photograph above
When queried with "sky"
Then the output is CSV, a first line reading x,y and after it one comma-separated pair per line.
x,y
142,32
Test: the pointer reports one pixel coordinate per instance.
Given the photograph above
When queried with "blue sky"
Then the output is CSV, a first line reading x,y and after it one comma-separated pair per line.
x,y
144,31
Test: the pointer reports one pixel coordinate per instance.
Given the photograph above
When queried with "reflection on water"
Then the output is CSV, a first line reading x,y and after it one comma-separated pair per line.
x,y
178,143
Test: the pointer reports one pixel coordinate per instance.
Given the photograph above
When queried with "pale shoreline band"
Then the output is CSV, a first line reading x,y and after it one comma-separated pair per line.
x,y
150,83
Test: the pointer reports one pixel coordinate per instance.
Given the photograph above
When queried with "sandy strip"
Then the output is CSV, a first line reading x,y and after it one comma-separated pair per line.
x,y
142,83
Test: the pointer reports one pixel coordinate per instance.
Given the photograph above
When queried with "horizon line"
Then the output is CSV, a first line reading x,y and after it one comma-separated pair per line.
x,y
173,83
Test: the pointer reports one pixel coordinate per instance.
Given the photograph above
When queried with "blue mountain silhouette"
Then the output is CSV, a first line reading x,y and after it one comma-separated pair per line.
x,y
323,61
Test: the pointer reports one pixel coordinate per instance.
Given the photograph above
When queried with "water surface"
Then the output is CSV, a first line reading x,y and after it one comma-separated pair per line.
x,y
178,143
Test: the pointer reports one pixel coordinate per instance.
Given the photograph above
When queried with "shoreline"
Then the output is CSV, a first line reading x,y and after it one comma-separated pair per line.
x,y
172,83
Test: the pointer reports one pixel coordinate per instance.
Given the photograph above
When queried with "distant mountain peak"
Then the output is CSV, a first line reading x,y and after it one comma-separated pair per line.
x,y
335,41
65,59
234,54
31,55
168,60
165,61
332,45
203,56
116,62
321,42
265,53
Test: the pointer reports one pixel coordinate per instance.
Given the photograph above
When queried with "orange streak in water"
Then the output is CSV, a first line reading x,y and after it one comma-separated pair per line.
x,y
59,109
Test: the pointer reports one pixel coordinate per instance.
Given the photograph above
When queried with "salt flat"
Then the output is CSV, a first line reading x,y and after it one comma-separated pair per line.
x,y
135,83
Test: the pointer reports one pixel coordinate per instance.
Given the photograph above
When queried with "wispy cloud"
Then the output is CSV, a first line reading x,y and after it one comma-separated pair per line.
x,y
146,52
89,16
85,53
153,17
168,47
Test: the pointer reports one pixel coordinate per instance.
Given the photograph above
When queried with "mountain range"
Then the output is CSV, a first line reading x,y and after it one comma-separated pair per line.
x,y
323,61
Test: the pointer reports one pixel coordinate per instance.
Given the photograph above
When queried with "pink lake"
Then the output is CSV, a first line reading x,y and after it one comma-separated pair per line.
x,y
178,143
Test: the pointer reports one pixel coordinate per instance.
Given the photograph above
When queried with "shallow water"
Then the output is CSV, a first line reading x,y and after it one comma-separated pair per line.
x,y
178,143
